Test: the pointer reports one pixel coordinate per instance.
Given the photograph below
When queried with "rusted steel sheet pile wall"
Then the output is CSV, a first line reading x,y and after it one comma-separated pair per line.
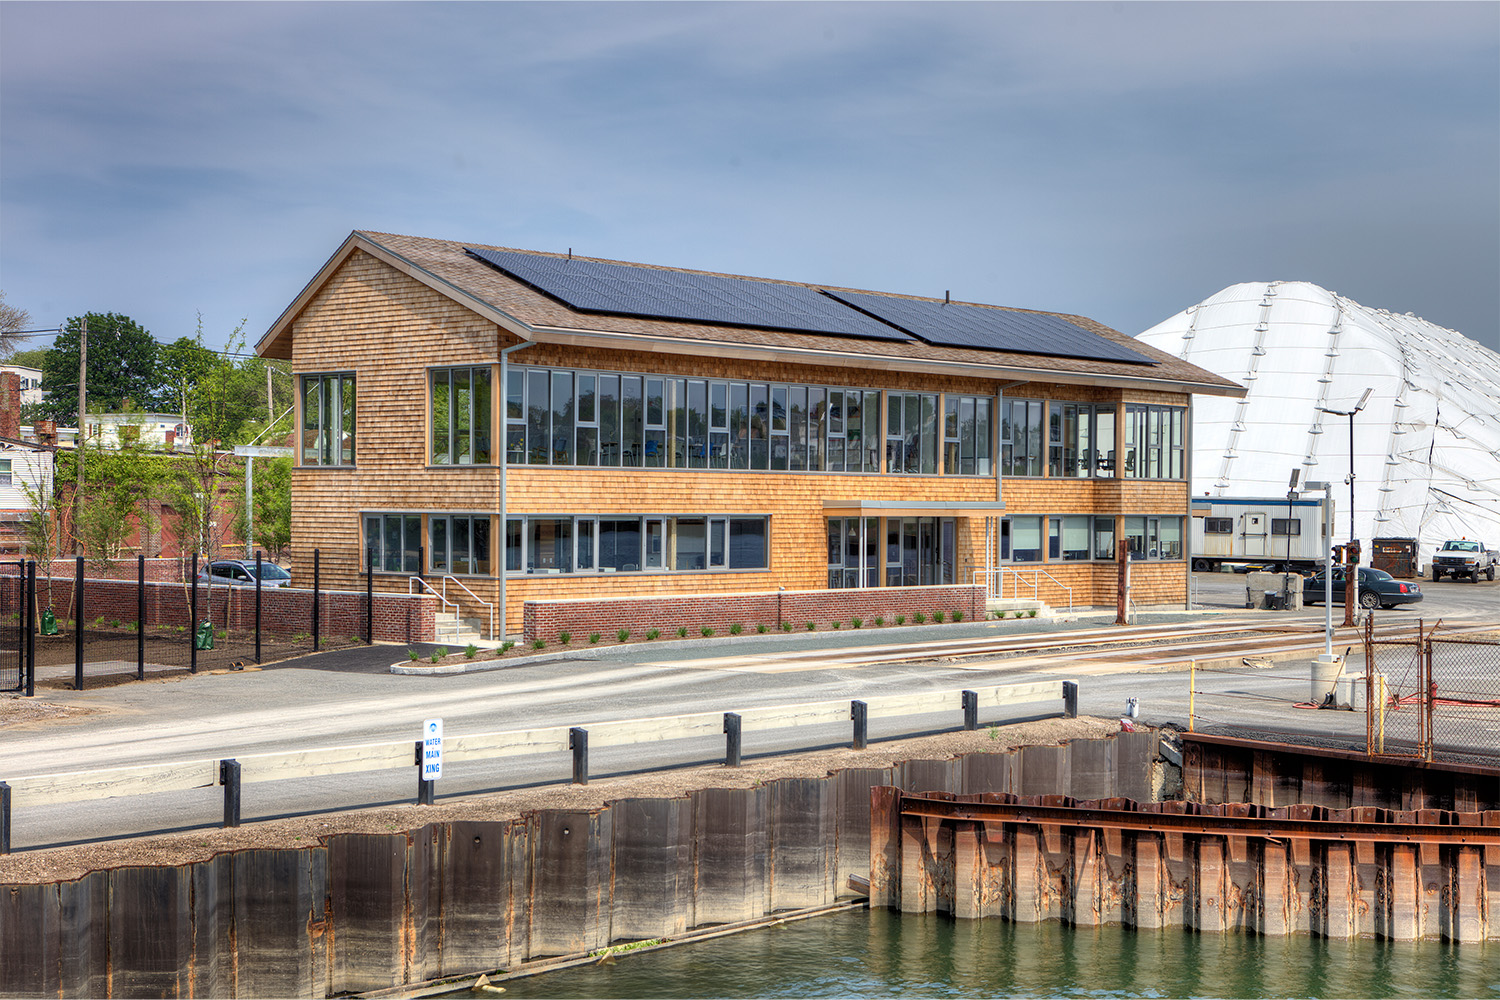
x,y
365,912
1224,769
1236,867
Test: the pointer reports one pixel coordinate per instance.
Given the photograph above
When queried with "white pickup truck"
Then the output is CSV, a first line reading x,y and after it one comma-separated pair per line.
x,y
1461,558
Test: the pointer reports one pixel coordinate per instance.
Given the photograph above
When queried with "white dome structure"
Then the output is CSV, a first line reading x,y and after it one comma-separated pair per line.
x,y
1426,446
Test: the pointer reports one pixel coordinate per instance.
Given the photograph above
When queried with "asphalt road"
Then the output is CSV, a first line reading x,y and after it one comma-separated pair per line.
x,y
350,697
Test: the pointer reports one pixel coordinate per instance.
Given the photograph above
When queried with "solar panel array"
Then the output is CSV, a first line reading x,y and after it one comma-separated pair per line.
x,y
653,293
949,324
647,292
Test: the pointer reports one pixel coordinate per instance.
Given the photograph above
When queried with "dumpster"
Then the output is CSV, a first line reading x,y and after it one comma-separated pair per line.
x,y
203,637
1397,556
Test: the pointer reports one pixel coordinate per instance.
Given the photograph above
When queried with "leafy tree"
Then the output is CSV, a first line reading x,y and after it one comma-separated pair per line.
x,y
181,366
41,532
273,506
121,366
13,319
29,359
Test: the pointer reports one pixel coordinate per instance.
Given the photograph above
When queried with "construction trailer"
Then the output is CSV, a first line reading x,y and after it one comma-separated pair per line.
x,y
1246,533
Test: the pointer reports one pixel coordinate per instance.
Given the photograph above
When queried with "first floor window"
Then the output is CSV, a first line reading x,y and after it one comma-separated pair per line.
x,y
1068,537
460,545
1286,526
393,542
1158,538
5,471
1218,525
1104,538
632,544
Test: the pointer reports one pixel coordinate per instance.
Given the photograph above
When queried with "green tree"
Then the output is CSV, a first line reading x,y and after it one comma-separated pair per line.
x,y
273,506
29,359
181,367
121,366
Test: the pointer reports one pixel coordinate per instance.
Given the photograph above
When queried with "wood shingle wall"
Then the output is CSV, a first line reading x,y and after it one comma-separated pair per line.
x,y
387,328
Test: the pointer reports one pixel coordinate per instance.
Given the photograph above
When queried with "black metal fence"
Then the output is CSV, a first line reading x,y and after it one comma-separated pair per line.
x,y
106,623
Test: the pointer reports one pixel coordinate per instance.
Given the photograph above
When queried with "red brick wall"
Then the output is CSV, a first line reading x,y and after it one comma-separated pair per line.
x,y
398,617
545,619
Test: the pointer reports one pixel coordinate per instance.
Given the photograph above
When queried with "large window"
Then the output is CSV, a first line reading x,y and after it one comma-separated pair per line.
x,y
1154,538
1286,526
966,435
1154,438
1218,526
557,417
328,419
459,545
460,416
853,552
1080,440
395,541
617,544
911,433
5,471
1021,430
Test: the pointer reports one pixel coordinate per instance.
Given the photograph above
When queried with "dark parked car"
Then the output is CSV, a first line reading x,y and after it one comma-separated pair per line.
x,y
241,573
1377,589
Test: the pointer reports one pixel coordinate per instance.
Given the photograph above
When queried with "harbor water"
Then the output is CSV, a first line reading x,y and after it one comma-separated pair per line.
x,y
878,953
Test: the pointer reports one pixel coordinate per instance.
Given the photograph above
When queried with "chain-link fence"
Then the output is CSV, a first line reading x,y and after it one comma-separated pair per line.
x,y
1432,693
1465,693
1397,715
106,622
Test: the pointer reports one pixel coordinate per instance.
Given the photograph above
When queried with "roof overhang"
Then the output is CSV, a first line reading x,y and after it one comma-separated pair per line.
x,y
902,508
872,362
277,341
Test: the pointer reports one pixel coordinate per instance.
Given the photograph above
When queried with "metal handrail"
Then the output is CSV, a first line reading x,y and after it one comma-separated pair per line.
x,y
479,600
996,575
413,581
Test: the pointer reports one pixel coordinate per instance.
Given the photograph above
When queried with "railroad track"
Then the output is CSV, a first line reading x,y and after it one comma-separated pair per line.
x,y
1111,649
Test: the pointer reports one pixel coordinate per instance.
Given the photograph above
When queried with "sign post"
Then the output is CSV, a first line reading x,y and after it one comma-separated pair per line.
x,y
432,761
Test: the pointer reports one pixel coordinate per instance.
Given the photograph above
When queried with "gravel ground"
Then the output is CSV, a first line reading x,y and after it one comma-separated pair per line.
x,y
65,863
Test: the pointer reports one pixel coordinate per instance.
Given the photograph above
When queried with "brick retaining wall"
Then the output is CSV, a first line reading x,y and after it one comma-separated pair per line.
x,y
545,619
285,610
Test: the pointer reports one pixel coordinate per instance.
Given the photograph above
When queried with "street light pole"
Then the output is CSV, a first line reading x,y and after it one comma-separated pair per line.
x,y
1350,588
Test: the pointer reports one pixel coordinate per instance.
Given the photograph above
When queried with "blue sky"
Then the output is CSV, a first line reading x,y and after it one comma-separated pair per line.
x,y
1122,161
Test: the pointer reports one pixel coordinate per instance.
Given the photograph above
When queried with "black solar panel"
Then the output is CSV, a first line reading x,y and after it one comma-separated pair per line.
x,y
954,325
651,293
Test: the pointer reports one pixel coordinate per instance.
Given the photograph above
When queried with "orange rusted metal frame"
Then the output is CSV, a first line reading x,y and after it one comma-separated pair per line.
x,y
1300,822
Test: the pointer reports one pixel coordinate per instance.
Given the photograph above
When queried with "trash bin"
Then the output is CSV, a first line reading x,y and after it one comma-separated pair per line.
x,y
203,638
1275,601
49,622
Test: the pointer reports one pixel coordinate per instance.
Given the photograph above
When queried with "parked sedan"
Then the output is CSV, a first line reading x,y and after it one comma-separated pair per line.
x,y
241,573
1377,589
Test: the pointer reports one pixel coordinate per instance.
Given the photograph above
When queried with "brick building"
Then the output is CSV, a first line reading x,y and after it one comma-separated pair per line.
x,y
532,427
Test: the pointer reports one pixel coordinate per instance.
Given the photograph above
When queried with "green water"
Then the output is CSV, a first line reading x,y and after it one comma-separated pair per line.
x,y
880,954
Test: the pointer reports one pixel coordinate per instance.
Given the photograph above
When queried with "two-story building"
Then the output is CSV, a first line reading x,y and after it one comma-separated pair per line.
x,y
540,426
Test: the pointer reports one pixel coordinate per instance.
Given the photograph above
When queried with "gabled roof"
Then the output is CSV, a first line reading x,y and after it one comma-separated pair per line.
x,y
529,314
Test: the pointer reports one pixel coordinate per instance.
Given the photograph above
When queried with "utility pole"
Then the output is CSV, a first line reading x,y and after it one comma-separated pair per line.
x,y
83,409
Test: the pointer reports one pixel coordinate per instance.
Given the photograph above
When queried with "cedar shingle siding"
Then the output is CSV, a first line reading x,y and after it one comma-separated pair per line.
x,y
389,308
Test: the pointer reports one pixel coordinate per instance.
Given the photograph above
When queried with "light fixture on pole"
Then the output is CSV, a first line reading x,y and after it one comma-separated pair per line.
x,y
1351,554
1350,414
